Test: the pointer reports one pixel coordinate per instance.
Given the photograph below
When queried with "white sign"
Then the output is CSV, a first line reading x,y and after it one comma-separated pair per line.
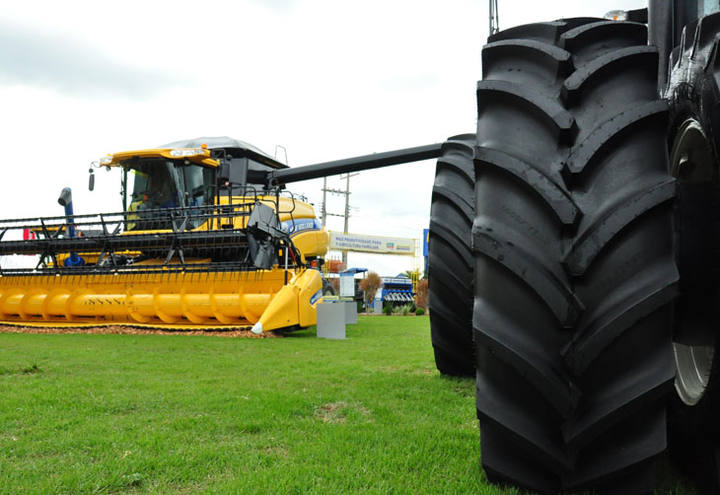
x,y
347,286
372,244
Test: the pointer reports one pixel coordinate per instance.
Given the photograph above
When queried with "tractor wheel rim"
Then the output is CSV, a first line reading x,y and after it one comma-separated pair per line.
x,y
692,160
693,365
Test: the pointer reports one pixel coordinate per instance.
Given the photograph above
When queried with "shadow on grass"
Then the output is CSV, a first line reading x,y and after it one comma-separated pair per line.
x,y
27,370
305,333
671,480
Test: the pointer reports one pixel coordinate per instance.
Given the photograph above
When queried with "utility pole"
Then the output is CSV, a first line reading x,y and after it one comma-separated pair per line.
x,y
345,214
324,208
347,202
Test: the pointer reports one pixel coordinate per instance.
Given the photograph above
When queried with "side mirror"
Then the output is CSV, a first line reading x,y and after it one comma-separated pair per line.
x,y
65,197
91,181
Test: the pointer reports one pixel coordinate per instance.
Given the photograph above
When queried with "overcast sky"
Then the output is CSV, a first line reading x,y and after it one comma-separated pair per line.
x,y
324,79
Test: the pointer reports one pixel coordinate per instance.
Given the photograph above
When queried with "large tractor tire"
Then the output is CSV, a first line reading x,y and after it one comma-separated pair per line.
x,y
694,142
450,262
574,267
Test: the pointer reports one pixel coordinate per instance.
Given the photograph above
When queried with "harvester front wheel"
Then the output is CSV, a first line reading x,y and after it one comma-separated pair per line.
x,y
450,258
574,264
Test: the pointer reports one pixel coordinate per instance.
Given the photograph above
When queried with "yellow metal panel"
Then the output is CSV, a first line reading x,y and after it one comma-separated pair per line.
x,y
310,288
202,158
292,305
293,209
311,242
283,311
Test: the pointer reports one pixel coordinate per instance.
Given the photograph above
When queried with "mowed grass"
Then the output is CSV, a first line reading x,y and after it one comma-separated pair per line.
x,y
185,414
189,414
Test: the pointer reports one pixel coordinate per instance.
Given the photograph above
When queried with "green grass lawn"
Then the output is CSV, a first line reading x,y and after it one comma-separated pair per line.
x,y
185,414
174,414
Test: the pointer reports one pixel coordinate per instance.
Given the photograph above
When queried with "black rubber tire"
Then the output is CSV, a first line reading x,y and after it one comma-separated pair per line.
x,y
693,92
327,288
574,268
450,262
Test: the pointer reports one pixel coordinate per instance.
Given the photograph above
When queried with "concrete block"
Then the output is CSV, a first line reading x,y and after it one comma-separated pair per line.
x,y
331,320
350,313
377,306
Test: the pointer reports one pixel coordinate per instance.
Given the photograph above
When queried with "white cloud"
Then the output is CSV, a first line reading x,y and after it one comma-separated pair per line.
x,y
34,58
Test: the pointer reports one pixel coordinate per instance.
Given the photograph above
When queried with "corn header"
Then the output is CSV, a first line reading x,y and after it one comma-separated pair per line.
x,y
208,238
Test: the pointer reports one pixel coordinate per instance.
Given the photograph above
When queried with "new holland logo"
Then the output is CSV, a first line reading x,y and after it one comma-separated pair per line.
x,y
316,296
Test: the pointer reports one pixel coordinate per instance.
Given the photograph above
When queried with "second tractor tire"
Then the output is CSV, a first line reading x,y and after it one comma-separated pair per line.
x,y
450,262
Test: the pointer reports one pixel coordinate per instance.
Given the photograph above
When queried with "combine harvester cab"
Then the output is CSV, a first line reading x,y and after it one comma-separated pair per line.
x,y
200,244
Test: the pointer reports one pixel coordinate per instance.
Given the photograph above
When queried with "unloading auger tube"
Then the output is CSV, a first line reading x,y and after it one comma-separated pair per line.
x,y
217,266
356,164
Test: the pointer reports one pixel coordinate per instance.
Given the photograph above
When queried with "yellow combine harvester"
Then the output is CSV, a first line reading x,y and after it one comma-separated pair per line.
x,y
207,239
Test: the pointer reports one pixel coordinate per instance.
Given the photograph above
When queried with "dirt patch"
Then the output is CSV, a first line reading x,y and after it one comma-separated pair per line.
x,y
276,451
336,412
128,330
332,412
365,411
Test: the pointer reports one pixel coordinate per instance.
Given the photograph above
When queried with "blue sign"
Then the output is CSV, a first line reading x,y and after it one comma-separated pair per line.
x,y
426,241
